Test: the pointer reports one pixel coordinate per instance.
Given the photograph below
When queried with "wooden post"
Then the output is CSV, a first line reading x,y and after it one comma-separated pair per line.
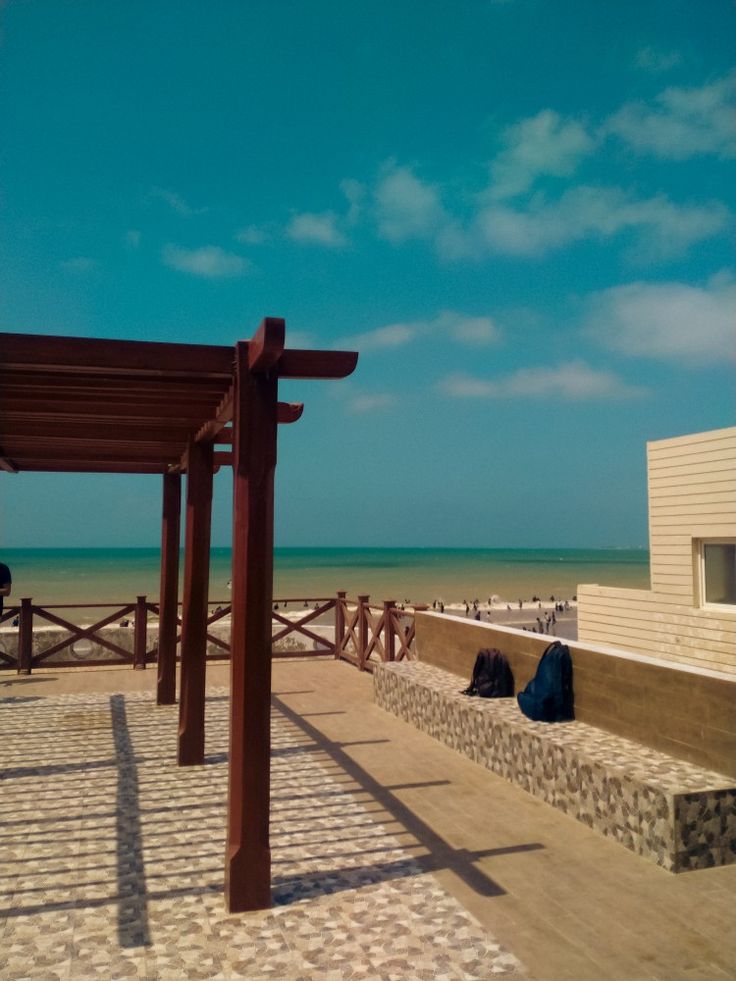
x,y
362,630
339,621
140,637
25,636
194,616
169,590
248,853
388,631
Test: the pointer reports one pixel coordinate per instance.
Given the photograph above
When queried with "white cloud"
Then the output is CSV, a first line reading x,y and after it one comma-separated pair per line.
x,y
354,191
300,339
464,328
663,229
316,229
671,321
132,238
371,403
406,207
655,61
251,235
545,144
209,261
176,202
475,331
572,381
390,336
683,122
80,264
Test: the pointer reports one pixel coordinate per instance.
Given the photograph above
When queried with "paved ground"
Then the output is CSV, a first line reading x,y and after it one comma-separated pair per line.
x,y
394,857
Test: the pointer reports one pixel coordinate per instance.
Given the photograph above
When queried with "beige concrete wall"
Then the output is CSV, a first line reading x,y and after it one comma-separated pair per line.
x,y
686,712
692,496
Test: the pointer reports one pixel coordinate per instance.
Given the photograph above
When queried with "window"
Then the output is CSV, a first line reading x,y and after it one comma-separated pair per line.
x,y
718,573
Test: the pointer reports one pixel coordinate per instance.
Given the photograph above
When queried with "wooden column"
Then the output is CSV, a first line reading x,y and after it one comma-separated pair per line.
x,y
194,616
169,590
248,855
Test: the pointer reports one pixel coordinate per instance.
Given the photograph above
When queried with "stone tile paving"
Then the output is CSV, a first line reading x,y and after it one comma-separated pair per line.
x,y
111,859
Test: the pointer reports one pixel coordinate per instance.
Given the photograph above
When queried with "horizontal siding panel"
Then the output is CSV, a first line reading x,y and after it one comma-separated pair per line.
x,y
671,575
617,631
647,602
716,628
717,662
657,538
662,572
674,585
723,439
718,490
665,633
720,509
708,435
681,558
695,500
695,470
724,449
657,541
712,523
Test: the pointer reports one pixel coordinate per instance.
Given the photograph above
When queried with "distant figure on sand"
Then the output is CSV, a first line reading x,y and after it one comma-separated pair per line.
x,y
6,582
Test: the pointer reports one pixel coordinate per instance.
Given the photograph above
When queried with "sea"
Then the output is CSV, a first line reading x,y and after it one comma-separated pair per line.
x,y
406,575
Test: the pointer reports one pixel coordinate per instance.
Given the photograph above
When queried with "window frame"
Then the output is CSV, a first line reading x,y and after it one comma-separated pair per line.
x,y
700,544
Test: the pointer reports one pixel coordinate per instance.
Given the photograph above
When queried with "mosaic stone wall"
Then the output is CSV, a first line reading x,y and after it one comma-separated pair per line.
x,y
674,813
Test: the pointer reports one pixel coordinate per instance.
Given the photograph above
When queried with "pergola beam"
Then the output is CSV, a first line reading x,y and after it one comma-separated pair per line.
x,y
80,355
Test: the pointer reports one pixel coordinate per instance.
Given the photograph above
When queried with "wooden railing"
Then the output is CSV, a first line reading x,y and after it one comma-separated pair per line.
x,y
366,634
26,649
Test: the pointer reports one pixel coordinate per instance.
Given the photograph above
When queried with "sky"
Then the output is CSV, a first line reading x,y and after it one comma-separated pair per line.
x,y
520,213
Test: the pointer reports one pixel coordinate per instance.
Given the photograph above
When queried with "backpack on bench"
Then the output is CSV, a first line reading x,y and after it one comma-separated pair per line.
x,y
548,697
492,676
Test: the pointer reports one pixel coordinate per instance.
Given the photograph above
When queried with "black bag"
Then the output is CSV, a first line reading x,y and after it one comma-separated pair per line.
x,y
492,676
548,697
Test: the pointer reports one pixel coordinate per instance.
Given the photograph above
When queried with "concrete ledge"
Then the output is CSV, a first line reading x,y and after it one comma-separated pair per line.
x,y
671,812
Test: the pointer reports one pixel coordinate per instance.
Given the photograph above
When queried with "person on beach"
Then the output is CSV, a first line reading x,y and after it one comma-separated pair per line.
x,y
6,582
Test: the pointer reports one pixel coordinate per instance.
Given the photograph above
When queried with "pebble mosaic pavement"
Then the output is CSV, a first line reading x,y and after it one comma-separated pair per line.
x,y
111,859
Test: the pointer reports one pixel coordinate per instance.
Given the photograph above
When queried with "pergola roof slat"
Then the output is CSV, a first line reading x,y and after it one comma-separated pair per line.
x,y
81,403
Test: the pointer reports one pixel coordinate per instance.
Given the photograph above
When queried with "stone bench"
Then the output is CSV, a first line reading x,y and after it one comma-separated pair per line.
x,y
674,813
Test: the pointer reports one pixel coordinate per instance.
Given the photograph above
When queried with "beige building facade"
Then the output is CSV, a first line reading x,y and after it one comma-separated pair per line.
x,y
689,614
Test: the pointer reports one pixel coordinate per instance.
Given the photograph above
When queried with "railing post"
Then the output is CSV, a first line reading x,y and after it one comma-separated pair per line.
x,y
389,647
340,621
140,637
25,636
362,630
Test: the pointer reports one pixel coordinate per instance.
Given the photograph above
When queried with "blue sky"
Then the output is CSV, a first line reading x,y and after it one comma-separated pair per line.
x,y
520,213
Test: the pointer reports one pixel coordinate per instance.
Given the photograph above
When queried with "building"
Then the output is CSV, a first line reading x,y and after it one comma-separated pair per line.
x,y
689,613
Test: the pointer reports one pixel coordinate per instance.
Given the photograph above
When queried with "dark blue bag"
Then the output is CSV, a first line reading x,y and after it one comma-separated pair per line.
x,y
548,697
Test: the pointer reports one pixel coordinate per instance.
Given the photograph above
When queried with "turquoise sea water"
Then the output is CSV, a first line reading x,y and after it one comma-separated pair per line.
x,y
415,574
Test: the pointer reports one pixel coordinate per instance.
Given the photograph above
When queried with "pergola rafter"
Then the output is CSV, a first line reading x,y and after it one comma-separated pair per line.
x,y
70,404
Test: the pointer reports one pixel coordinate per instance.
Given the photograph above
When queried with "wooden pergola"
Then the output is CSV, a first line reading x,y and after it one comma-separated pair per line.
x,y
70,404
